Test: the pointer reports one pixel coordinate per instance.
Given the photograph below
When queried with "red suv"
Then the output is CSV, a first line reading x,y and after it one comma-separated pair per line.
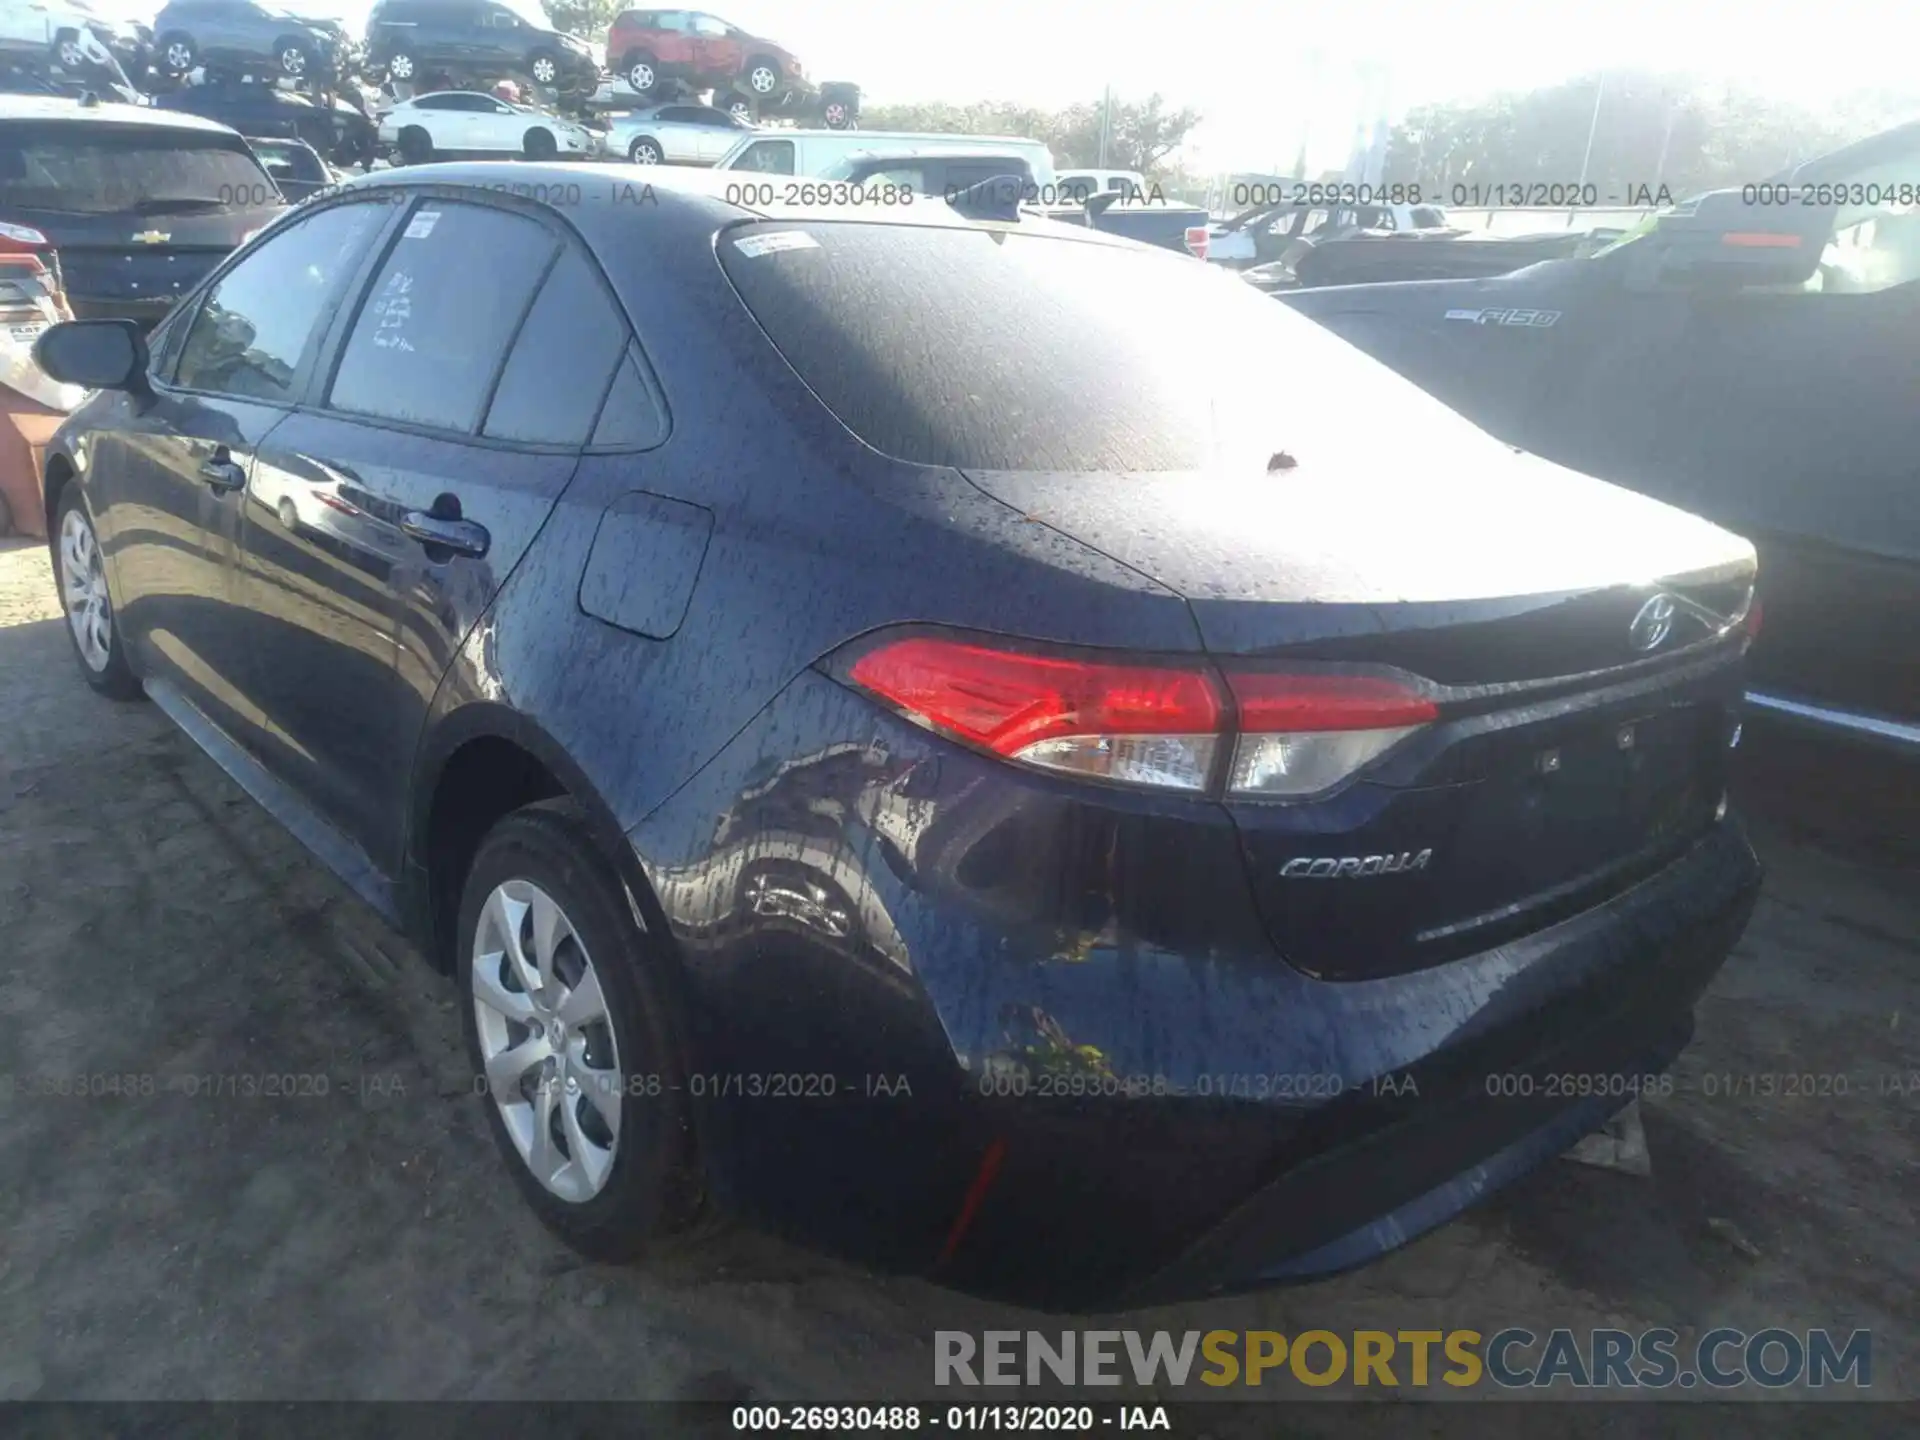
x,y
648,46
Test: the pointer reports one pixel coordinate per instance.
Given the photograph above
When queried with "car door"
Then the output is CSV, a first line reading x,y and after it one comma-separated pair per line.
x,y
715,52
176,478
495,127
1787,415
714,133
446,119
440,435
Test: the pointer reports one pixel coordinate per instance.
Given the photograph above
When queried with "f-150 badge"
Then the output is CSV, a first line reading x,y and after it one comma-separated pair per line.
x,y
1534,318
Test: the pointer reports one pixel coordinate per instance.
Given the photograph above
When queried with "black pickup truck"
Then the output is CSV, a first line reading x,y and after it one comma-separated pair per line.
x,y
1748,355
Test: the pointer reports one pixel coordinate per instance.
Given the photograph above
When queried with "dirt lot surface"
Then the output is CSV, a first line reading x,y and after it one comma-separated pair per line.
x,y
365,1243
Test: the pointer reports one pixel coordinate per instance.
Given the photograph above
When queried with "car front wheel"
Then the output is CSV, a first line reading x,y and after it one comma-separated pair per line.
x,y
81,574
763,77
640,73
567,1026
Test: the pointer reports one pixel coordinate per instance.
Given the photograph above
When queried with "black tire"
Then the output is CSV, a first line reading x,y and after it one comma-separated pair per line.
x,y
645,150
416,146
642,65
289,517
67,53
6,517
115,679
176,53
295,59
653,1191
540,145
838,115
762,77
402,67
543,68
741,106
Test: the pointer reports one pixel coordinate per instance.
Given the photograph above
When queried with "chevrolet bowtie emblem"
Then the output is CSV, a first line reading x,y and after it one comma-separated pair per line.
x,y
152,237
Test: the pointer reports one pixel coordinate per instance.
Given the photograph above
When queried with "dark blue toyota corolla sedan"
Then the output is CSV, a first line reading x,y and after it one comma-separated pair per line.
x,y
995,750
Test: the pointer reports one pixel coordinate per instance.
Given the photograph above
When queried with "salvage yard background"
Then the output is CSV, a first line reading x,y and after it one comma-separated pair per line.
x,y
368,1244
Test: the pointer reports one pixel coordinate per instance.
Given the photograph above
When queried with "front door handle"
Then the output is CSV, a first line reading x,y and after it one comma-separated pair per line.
x,y
222,471
462,537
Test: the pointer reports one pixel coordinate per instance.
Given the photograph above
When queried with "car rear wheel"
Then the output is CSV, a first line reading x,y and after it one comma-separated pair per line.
x,y
400,66
645,151
641,73
67,53
296,60
540,145
837,115
740,107
178,54
567,1025
544,67
763,76
81,573
289,517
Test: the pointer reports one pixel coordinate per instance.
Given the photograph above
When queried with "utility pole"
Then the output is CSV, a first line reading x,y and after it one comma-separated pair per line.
x,y
1106,124
1586,161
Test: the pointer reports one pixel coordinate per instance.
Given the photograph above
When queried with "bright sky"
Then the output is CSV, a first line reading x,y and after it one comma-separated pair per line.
x,y
1251,65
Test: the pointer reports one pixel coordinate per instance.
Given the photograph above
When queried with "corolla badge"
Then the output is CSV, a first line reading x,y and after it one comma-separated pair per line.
x,y
1653,624
1339,867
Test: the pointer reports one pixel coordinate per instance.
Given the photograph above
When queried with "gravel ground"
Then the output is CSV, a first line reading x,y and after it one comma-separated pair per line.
x,y
365,1244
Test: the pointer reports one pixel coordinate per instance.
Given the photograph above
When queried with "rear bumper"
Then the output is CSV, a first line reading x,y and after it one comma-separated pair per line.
x,y
1035,1042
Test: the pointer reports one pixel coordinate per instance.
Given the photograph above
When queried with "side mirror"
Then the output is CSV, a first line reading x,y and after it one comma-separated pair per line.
x,y
96,354
1728,239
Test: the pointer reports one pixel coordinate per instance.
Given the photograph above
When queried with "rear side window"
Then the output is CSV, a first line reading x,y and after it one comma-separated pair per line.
x,y
562,361
110,170
254,327
767,157
1007,351
433,329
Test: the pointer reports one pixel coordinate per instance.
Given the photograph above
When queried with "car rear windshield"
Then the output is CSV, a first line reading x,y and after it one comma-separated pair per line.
x,y
998,350
98,170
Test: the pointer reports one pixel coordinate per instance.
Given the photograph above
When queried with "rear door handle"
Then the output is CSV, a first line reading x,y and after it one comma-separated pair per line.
x,y
222,471
463,537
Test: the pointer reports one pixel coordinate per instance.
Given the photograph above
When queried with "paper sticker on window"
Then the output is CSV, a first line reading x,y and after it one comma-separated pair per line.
x,y
754,246
422,224
394,307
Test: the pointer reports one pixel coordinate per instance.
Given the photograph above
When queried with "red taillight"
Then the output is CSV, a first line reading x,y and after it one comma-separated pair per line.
x,y
1197,241
1760,240
1752,622
1327,702
22,240
1145,724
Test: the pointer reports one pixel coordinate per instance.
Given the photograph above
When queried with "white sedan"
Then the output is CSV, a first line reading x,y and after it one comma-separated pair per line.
x,y
681,134
453,123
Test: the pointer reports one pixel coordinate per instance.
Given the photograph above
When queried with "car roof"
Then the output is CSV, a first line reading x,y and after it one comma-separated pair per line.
x,y
436,94
600,197
60,107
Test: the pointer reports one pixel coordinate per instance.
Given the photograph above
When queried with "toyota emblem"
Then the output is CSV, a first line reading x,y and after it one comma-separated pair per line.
x,y
1653,624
